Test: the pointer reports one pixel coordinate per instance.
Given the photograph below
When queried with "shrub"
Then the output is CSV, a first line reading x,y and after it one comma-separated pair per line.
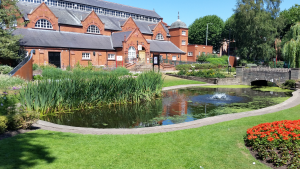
x,y
49,66
4,69
288,84
37,77
7,81
277,142
183,67
35,67
280,64
3,124
204,73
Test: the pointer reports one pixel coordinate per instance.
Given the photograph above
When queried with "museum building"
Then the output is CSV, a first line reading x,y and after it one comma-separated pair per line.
x,y
64,33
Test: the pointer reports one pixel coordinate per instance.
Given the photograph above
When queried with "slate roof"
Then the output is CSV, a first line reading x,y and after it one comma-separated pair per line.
x,y
163,47
49,38
118,37
118,7
178,24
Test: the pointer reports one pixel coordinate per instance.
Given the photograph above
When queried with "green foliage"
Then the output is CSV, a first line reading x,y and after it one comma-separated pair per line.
x,y
35,67
203,57
202,73
7,81
81,91
256,28
9,44
217,61
288,84
229,28
197,31
279,64
37,77
291,49
3,124
291,17
5,69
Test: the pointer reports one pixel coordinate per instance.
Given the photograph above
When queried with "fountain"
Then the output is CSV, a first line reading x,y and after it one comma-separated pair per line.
x,y
219,96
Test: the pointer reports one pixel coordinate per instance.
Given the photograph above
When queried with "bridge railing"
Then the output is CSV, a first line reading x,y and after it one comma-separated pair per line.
x,y
264,69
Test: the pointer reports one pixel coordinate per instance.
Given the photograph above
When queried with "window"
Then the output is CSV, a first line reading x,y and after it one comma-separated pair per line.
x,y
111,57
190,54
159,36
183,42
183,32
86,56
131,53
43,23
203,53
93,29
173,57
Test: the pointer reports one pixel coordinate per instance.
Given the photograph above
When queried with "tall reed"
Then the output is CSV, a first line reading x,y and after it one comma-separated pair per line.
x,y
78,92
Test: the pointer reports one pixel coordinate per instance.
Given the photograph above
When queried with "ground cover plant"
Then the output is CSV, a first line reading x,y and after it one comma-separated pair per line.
x,y
5,69
79,92
7,81
277,143
214,146
202,73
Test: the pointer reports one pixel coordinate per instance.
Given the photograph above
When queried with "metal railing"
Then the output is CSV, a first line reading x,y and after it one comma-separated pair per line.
x,y
20,65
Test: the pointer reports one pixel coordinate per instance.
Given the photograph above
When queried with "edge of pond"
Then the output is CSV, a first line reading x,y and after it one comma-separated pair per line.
x,y
291,102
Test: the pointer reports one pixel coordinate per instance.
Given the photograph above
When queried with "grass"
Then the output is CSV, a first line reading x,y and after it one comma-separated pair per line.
x,y
215,146
226,86
271,89
174,81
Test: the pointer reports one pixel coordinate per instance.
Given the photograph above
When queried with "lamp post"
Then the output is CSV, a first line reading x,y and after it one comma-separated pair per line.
x,y
207,32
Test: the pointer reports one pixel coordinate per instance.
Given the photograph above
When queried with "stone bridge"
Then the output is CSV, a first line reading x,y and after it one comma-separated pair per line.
x,y
275,75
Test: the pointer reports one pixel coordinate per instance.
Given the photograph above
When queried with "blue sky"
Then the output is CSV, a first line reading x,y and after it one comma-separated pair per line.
x,y
191,9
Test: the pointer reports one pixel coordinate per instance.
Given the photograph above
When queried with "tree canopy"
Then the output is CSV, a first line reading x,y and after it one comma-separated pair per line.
x,y
256,27
291,49
197,31
9,44
291,17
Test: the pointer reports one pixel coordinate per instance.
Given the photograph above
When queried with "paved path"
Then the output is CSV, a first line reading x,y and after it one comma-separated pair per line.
x,y
291,102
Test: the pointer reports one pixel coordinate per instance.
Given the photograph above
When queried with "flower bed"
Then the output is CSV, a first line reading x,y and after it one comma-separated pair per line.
x,y
276,143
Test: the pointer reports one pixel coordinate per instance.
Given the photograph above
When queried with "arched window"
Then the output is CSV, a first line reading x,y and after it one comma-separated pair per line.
x,y
159,36
43,23
131,53
93,29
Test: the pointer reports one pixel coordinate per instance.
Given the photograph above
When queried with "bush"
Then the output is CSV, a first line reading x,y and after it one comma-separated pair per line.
x,y
3,124
4,69
37,77
280,64
204,73
183,67
288,84
276,142
7,81
35,67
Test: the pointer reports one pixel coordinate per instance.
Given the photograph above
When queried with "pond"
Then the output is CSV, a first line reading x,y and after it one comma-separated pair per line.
x,y
176,106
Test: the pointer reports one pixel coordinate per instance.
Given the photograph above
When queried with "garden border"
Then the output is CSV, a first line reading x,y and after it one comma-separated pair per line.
x,y
291,102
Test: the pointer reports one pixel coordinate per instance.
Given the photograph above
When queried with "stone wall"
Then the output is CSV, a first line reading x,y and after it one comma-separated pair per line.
x,y
277,75
218,81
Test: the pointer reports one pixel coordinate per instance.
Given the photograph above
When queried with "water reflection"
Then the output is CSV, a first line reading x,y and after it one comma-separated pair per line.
x,y
176,106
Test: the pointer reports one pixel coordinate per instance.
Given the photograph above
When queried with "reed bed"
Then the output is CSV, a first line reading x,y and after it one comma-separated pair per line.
x,y
77,92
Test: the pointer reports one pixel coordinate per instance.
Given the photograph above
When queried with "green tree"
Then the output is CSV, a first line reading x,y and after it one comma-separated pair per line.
x,y
257,26
197,31
9,44
291,49
291,17
229,27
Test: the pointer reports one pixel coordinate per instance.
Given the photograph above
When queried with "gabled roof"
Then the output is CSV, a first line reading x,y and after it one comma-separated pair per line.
x,y
54,39
118,7
118,38
164,47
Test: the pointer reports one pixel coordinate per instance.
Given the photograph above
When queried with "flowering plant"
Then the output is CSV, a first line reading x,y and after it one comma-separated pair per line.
x,y
277,142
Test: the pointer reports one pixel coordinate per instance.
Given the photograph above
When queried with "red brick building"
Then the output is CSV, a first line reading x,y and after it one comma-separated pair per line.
x,y
66,32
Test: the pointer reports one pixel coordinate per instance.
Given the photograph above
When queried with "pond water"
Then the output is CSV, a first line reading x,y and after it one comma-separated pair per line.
x,y
176,106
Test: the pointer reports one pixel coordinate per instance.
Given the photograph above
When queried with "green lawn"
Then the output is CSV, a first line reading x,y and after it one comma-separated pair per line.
x,y
214,146
174,81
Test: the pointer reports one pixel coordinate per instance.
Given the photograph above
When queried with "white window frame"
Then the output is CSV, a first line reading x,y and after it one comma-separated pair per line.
x,y
111,56
183,42
43,24
159,36
183,33
190,53
86,56
93,29
131,53
174,57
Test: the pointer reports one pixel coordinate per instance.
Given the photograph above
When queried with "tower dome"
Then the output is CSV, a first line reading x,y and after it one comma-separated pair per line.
x,y
178,24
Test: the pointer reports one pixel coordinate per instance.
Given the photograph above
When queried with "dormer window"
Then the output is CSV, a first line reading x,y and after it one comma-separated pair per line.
x,y
159,37
93,29
43,23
